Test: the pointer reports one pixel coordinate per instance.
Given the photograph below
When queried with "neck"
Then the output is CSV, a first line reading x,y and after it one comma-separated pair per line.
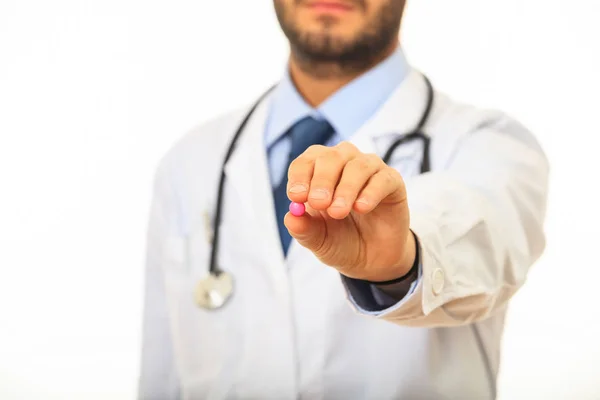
x,y
317,82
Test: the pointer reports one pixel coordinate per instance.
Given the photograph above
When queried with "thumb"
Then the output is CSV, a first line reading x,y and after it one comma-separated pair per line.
x,y
309,229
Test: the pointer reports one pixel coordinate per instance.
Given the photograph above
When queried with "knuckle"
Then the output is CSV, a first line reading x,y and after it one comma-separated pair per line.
x,y
322,180
332,160
315,149
298,162
332,155
324,175
390,176
300,165
346,146
365,164
362,164
374,158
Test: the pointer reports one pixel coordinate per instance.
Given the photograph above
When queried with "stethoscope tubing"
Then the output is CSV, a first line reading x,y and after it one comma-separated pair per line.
x,y
416,133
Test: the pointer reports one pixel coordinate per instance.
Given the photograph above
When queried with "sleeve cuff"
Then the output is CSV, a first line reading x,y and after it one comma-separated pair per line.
x,y
378,296
387,295
430,290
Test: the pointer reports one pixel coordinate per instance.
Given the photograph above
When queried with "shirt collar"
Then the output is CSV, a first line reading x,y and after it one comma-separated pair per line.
x,y
347,109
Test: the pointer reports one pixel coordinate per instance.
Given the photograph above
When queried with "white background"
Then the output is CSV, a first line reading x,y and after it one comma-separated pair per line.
x,y
93,92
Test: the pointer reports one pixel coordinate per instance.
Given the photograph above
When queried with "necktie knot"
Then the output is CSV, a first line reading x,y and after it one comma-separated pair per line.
x,y
307,132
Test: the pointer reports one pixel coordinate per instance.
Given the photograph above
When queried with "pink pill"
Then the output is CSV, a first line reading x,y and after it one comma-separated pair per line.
x,y
297,209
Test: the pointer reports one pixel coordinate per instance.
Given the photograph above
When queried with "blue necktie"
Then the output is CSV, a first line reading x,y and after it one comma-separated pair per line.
x,y
304,134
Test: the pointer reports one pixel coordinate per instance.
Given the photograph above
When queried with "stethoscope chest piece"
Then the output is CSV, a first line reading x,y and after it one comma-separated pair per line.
x,y
214,290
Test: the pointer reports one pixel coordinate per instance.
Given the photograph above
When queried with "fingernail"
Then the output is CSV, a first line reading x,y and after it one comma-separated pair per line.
x,y
363,200
319,194
339,202
297,188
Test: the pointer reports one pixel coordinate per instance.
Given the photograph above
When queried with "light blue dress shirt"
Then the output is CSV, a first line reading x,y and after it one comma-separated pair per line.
x,y
346,110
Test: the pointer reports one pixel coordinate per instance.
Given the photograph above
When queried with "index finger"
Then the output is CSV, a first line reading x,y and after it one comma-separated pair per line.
x,y
302,170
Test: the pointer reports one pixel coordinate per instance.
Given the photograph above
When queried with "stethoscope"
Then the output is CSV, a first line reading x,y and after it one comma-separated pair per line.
x,y
216,288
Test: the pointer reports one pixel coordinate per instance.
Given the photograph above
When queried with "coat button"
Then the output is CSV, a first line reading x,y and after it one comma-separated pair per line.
x,y
437,281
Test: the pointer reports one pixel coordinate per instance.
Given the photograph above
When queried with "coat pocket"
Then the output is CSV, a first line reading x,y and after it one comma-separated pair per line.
x,y
203,340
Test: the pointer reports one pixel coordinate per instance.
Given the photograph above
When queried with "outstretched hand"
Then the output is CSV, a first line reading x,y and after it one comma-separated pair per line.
x,y
357,217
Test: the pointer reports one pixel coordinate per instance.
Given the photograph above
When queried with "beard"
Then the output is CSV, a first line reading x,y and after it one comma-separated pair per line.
x,y
324,53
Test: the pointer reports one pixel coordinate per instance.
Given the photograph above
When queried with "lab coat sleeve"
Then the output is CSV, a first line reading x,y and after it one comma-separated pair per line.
x,y
388,294
479,222
158,379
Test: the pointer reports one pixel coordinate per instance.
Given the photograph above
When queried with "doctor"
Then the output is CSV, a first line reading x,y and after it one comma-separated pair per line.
x,y
396,280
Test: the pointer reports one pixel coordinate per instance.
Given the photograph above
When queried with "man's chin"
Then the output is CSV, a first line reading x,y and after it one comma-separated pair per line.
x,y
324,45
320,55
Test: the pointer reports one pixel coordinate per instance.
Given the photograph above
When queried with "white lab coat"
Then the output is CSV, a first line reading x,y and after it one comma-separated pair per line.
x,y
293,329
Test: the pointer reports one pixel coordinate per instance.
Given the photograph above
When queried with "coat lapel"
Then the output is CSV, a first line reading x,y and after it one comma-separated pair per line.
x,y
248,178
399,115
